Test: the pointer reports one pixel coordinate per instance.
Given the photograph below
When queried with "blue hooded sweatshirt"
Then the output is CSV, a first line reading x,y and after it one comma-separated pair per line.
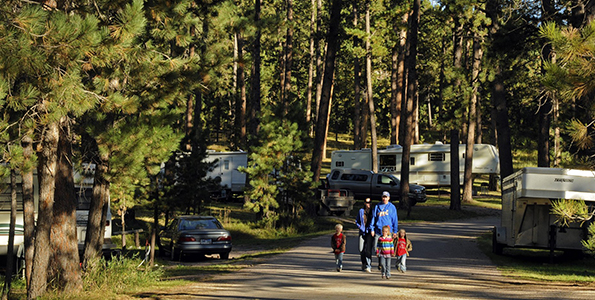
x,y
384,214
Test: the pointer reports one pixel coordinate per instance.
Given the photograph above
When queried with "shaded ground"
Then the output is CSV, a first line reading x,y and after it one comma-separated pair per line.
x,y
445,264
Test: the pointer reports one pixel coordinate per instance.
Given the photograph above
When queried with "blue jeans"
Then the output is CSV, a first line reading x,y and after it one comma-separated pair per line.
x,y
401,262
366,260
385,264
339,260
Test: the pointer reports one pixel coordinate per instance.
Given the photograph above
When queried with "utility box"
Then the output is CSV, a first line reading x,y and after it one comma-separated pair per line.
x,y
527,197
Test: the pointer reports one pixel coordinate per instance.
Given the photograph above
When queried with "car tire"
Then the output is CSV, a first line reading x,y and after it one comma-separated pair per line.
x,y
224,255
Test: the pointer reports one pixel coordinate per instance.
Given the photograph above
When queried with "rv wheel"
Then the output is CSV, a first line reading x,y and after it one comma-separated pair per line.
x,y
497,248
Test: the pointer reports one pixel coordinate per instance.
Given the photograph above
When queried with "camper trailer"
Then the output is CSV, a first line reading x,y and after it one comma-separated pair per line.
x,y
226,168
527,196
83,189
429,163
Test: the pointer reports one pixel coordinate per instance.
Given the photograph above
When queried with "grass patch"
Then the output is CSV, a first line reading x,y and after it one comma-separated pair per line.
x,y
533,264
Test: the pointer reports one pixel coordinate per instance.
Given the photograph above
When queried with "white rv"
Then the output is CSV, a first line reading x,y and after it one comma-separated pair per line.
x,y
526,203
83,191
226,169
429,163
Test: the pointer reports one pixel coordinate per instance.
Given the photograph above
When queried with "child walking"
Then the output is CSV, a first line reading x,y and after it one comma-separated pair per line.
x,y
385,250
338,242
402,247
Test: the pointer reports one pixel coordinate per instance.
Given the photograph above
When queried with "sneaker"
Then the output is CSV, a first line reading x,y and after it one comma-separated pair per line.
x,y
399,268
401,271
338,269
383,276
387,277
368,270
380,267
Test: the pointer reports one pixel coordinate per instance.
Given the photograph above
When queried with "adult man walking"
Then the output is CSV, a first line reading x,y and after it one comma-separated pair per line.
x,y
363,221
385,213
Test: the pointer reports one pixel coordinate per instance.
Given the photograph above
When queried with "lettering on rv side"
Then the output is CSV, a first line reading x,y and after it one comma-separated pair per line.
x,y
563,180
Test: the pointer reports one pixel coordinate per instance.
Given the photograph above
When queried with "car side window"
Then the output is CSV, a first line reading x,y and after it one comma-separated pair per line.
x,y
335,175
362,177
347,177
384,180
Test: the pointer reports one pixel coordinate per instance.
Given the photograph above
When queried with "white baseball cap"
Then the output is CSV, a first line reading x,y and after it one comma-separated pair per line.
x,y
385,193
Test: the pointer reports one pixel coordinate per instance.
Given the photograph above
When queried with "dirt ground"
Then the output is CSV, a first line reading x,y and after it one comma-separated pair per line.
x,y
445,264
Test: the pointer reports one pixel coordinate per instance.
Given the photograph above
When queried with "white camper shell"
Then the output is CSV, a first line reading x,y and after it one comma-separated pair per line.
x,y
429,163
226,169
526,203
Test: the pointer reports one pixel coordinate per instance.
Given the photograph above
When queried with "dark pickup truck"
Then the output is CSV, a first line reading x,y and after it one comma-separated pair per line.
x,y
367,184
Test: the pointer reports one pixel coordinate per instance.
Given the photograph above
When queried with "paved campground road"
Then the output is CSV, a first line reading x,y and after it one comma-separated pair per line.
x,y
445,264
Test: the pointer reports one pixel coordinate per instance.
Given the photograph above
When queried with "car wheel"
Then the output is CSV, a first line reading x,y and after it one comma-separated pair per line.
x,y
173,254
224,255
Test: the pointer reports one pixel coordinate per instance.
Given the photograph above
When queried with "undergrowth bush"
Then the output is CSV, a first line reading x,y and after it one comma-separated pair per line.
x,y
117,276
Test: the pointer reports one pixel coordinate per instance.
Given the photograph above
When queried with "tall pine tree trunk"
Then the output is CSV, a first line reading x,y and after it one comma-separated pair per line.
x,y
468,184
311,63
502,125
28,208
64,263
357,114
240,115
288,58
410,65
398,80
333,46
455,178
319,58
254,107
370,94
47,171
97,209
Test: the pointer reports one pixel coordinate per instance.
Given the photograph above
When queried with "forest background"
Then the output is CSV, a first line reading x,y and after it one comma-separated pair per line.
x,y
132,85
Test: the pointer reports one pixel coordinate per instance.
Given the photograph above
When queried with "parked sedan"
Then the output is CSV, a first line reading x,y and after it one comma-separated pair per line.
x,y
195,235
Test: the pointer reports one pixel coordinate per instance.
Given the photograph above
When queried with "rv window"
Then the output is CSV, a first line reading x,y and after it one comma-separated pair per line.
x,y
412,161
436,156
339,164
388,160
226,164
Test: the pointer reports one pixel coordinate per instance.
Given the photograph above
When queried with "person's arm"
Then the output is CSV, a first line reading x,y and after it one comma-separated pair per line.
x,y
373,222
395,222
359,220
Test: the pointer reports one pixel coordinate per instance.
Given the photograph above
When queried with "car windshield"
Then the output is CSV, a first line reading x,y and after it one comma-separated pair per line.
x,y
189,224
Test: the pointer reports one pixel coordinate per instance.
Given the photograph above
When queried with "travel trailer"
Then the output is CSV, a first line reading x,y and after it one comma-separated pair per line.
x,y
429,163
83,187
527,197
226,168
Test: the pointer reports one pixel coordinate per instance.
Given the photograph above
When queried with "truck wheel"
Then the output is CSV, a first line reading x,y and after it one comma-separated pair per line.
x,y
322,211
497,248
224,255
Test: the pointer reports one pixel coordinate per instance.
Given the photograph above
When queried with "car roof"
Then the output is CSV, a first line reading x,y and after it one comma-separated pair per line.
x,y
196,217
